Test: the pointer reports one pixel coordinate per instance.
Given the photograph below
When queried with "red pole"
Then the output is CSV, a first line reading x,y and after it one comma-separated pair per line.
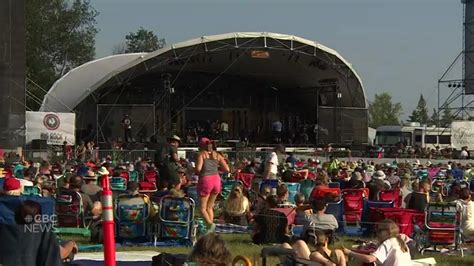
x,y
108,223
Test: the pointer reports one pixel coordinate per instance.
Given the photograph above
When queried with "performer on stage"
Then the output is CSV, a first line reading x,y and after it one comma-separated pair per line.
x,y
127,128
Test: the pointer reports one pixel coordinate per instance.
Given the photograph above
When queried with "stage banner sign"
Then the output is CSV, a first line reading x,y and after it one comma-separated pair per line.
x,y
462,134
55,128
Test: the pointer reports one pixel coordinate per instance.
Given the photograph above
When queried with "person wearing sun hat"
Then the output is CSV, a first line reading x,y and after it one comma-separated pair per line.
x,y
90,186
376,184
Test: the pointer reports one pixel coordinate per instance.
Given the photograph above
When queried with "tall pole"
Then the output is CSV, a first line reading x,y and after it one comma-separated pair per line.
x,y
317,119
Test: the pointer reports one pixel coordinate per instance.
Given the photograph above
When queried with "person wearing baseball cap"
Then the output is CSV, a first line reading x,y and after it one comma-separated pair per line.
x,y
207,167
12,187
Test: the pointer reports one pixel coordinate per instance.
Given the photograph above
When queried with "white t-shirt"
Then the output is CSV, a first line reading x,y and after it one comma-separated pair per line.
x,y
463,154
390,254
467,211
224,127
273,160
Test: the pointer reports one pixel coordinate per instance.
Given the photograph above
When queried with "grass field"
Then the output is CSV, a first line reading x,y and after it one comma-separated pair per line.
x,y
240,244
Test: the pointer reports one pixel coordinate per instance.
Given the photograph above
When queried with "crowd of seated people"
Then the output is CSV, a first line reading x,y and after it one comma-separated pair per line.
x,y
258,206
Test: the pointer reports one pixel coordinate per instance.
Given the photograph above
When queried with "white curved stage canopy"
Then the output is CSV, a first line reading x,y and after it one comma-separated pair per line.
x,y
292,62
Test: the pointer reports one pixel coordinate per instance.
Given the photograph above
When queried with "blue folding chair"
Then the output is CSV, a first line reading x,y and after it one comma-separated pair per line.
x,y
337,209
293,189
193,194
8,206
272,183
334,185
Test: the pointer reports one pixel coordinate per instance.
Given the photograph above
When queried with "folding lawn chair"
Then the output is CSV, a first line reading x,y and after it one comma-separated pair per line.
x,y
246,179
391,195
306,186
293,189
337,209
131,213
118,183
31,191
71,215
177,219
442,228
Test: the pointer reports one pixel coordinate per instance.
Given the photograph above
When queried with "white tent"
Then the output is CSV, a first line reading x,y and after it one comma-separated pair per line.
x,y
70,90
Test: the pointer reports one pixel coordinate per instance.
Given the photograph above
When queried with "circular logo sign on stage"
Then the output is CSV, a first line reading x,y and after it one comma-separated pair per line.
x,y
51,121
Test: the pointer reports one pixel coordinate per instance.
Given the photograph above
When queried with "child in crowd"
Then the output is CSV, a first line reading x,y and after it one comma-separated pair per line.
x,y
301,209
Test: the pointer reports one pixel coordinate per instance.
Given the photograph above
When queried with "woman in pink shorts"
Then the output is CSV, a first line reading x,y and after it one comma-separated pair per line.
x,y
209,184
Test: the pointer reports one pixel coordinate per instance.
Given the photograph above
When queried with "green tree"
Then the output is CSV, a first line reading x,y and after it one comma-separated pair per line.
x,y
143,41
420,114
434,118
447,118
59,36
383,112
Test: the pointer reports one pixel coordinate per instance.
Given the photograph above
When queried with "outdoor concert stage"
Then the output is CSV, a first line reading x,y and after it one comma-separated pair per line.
x,y
247,79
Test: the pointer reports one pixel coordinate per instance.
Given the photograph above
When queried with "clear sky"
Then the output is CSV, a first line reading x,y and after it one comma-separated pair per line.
x,y
400,46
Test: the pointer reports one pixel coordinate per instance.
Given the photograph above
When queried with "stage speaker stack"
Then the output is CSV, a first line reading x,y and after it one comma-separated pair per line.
x,y
39,144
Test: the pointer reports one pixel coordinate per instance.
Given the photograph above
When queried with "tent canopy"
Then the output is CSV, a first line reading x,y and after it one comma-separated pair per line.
x,y
282,61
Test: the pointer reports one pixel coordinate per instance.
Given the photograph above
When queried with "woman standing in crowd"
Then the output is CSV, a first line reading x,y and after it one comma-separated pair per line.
x,y
392,250
209,184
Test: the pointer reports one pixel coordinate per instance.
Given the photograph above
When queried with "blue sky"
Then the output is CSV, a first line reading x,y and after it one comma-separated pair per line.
x,y
400,46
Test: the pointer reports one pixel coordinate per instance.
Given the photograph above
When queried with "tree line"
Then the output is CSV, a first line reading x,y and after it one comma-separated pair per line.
x,y
60,35
382,111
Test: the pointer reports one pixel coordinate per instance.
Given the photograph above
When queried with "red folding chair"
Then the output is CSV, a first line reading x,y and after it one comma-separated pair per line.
x,y
125,175
246,179
391,195
323,192
150,176
354,203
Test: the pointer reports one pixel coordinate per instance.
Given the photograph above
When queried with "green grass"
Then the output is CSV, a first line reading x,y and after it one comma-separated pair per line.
x,y
240,244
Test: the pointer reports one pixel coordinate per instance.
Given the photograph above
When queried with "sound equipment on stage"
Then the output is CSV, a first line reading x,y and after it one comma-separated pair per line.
x,y
39,144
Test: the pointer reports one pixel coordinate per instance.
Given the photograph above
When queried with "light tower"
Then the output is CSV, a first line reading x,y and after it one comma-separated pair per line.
x,y
461,87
